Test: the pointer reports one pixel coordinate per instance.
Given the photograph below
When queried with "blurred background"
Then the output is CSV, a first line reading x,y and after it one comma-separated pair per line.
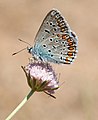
x,y
77,98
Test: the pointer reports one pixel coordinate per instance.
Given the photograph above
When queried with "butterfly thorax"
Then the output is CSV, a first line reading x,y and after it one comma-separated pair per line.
x,y
35,53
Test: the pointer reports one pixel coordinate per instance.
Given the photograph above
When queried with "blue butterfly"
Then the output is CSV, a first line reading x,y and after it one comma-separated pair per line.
x,y
55,41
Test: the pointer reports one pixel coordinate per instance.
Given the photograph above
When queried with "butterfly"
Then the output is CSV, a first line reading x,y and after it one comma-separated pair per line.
x,y
55,42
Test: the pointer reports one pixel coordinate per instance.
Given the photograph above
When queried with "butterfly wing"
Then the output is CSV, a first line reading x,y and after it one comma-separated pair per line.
x,y
53,23
55,42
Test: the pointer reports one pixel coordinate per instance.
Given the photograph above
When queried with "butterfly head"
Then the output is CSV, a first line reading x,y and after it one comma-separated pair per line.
x,y
30,50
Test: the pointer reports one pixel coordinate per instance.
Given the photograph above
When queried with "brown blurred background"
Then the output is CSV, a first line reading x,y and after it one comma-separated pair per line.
x,y
77,98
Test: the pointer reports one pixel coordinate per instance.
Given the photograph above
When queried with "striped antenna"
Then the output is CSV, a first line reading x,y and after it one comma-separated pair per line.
x,y
19,51
23,48
24,41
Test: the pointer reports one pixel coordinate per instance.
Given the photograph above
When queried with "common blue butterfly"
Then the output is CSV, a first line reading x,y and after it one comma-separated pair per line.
x,y
55,41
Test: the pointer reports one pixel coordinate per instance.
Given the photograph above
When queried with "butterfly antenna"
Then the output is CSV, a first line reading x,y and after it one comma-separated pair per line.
x,y
24,41
19,51
23,48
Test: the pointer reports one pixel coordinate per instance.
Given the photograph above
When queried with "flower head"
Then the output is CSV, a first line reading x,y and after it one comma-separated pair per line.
x,y
41,77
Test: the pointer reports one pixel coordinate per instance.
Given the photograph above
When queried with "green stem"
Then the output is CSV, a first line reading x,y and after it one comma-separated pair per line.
x,y
20,105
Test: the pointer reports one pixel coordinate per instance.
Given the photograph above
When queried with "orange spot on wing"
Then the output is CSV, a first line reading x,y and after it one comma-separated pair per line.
x,y
62,29
69,40
71,48
58,35
64,36
70,54
67,59
70,43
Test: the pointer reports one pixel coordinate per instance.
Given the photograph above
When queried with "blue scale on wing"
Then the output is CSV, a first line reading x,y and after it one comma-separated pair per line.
x,y
54,51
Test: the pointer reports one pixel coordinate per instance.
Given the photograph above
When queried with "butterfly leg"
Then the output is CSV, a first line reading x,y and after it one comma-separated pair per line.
x,y
32,59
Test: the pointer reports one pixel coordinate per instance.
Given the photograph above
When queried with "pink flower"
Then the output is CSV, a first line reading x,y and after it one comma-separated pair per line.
x,y
41,77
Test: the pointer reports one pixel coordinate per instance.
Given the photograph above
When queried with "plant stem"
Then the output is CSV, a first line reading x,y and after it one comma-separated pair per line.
x,y
20,105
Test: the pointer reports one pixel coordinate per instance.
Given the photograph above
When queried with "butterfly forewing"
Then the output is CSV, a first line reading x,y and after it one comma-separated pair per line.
x,y
55,42
52,24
